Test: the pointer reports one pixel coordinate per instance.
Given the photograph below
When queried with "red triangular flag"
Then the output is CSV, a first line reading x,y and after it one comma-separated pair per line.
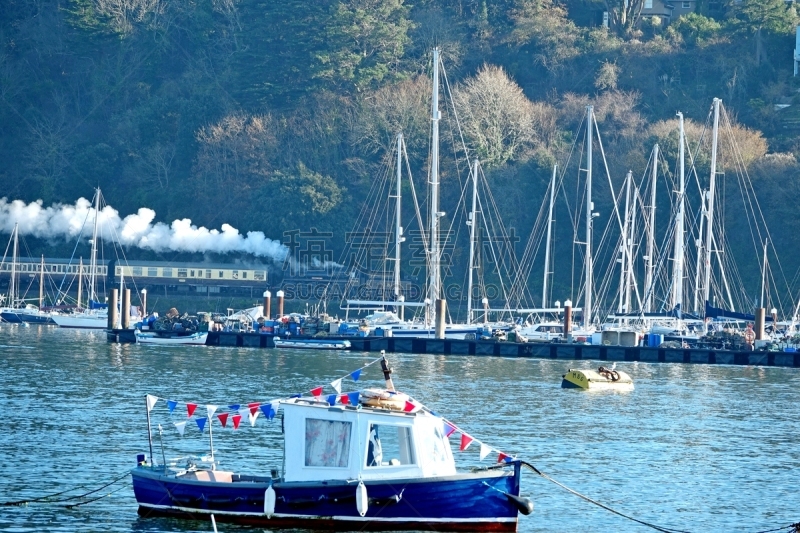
x,y
408,407
501,457
317,392
236,419
465,441
223,418
190,407
345,399
253,407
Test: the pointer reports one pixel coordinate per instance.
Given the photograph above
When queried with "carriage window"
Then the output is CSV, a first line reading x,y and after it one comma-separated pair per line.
x,y
182,272
389,446
167,272
221,274
152,272
327,443
208,274
244,274
137,271
259,275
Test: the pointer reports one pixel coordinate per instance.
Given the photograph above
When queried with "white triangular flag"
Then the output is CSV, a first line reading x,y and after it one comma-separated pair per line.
x,y
337,385
244,412
151,401
485,450
211,410
275,406
253,417
181,427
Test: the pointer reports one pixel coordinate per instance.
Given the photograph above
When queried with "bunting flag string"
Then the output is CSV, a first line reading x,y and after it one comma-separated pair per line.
x,y
270,409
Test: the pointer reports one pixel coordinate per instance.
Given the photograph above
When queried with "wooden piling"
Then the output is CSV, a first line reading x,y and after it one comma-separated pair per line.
x,y
760,313
125,307
441,314
112,308
267,304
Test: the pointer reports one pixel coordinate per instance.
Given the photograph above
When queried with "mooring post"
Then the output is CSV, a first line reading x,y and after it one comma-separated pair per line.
x,y
267,304
441,313
126,308
112,309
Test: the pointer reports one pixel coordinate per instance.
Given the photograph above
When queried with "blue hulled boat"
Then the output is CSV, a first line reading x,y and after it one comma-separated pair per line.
x,y
372,460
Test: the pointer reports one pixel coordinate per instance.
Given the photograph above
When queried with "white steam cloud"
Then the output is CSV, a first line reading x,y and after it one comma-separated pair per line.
x,y
68,221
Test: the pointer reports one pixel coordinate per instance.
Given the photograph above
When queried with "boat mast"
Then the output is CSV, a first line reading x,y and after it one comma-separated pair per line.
x,y
80,282
587,306
398,230
677,267
764,272
699,245
434,287
651,238
12,286
629,284
623,270
41,284
710,211
549,234
472,223
93,263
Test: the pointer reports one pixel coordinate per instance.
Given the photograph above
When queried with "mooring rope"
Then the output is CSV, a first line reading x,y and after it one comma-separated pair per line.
x,y
48,498
794,528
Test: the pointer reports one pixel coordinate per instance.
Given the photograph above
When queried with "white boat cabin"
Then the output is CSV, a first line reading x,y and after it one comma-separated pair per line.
x,y
344,442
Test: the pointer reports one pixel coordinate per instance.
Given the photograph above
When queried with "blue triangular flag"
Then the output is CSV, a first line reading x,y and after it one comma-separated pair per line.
x,y
353,397
234,407
331,399
171,404
268,411
201,423
296,396
355,375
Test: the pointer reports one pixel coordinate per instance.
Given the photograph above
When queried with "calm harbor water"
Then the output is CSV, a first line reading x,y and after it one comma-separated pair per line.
x,y
694,447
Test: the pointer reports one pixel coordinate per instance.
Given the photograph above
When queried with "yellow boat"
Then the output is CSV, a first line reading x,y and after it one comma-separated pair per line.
x,y
601,379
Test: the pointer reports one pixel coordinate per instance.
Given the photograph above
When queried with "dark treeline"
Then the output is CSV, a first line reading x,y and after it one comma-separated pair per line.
x,y
277,115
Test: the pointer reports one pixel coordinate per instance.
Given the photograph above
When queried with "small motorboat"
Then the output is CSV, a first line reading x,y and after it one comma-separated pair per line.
x,y
374,459
313,344
171,339
600,379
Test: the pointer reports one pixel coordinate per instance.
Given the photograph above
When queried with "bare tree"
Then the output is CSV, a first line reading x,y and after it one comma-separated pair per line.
x,y
235,151
498,119
123,14
623,15
399,108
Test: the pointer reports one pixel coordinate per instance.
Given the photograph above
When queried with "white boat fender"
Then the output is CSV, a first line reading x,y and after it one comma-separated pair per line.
x,y
362,500
269,501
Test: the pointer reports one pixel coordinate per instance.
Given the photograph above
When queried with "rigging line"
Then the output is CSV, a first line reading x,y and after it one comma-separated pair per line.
x,y
599,504
72,506
46,498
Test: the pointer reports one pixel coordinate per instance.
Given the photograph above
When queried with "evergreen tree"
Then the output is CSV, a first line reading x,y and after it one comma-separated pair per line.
x,y
759,16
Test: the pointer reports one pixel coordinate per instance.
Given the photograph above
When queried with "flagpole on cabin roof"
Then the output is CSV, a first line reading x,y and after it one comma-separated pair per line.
x,y
149,432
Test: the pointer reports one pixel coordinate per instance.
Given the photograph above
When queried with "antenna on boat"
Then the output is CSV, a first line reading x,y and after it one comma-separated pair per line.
x,y
387,372
149,431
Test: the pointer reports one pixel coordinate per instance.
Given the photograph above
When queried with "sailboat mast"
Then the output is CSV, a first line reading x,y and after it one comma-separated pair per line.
x,y
587,306
93,263
472,223
699,246
710,210
12,286
398,229
41,284
80,282
623,270
677,267
434,287
549,234
764,273
651,238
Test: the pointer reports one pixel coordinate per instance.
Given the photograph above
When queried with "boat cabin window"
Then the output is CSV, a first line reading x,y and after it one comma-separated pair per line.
x,y
389,445
551,329
327,443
